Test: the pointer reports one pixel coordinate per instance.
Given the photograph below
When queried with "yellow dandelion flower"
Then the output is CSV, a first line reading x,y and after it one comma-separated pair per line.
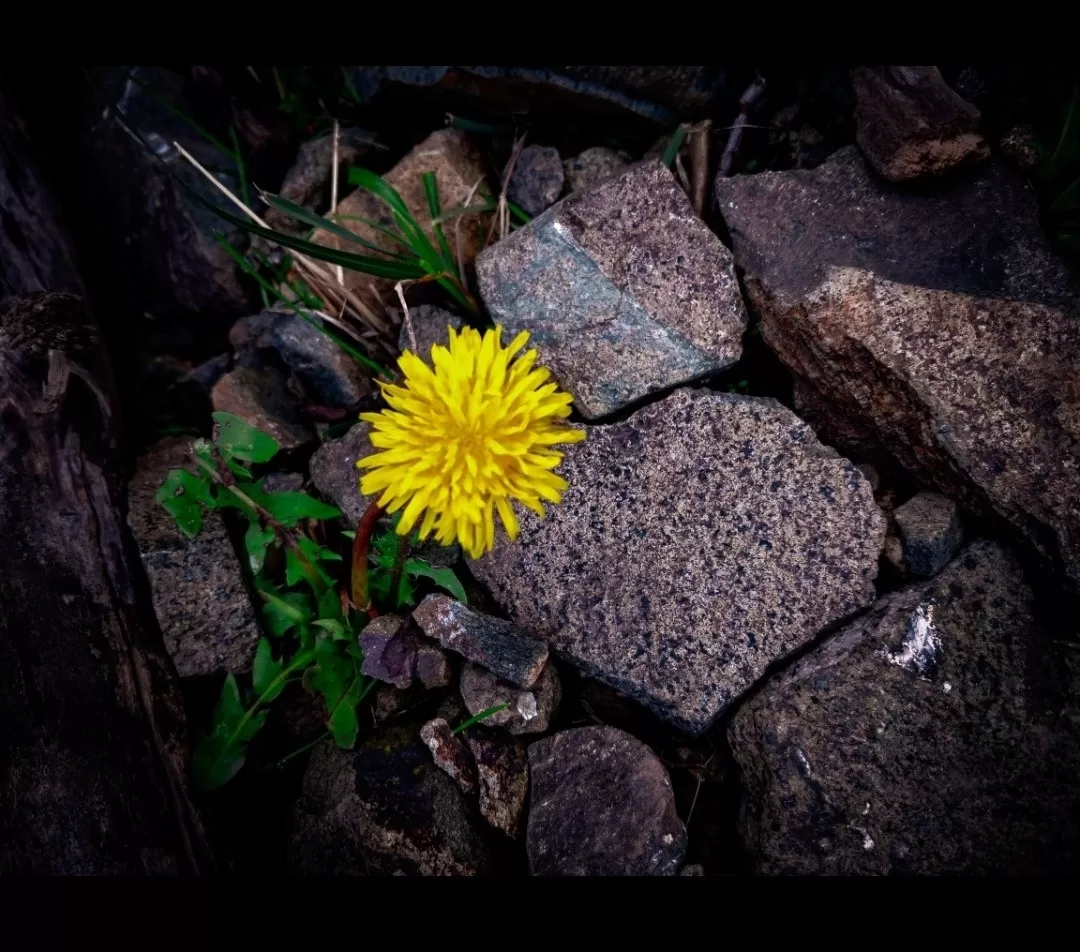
x,y
466,438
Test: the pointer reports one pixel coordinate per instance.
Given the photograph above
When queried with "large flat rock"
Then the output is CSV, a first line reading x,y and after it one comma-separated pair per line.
x,y
934,323
624,290
700,540
938,734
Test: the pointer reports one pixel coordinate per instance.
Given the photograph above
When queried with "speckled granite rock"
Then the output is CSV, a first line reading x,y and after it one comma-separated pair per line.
x,y
457,165
198,588
503,771
947,331
497,645
624,289
602,805
384,809
328,374
930,533
701,540
938,734
910,123
529,710
592,167
538,179
429,325
260,398
450,754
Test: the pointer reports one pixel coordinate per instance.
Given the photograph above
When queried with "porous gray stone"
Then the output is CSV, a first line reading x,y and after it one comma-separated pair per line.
x,y
624,290
930,532
937,324
592,167
537,180
384,809
492,643
938,734
430,326
602,805
701,540
198,589
528,710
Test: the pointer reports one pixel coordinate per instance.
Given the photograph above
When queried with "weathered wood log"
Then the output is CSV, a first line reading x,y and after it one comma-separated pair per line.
x,y
93,749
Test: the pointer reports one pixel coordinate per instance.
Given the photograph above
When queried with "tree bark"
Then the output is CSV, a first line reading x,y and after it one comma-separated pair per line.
x,y
93,752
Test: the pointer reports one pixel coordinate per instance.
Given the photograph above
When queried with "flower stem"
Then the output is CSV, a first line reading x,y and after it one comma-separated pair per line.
x,y
360,557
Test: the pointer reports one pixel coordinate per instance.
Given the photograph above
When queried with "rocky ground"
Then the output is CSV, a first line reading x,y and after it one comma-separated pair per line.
x,y
809,603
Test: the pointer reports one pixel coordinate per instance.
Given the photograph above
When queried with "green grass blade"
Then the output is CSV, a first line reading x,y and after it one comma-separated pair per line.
x,y
377,227
162,101
318,221
519,213
431,193
466,210
674,144
477,718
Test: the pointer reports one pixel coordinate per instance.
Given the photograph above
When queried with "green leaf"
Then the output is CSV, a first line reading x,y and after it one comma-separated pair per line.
x,y
343,723
282,612
290,507
256,540
220,755
431,193
181,495
337,629
238,438
443,577
265,671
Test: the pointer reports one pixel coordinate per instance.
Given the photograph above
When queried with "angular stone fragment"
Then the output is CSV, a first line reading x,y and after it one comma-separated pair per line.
x,y
492,643
451,755
430,326
384,809
260,398
602,805
328,374
538,179
946,331
930,532
938,734
198,586
334,473
910,123
592,167
503,772
700,541
624,289
394,654
527,711
458,168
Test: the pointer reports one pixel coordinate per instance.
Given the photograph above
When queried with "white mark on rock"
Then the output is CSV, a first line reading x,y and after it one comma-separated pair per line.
x,y
866,809
867,841
526,705
946,687
804,764
919,650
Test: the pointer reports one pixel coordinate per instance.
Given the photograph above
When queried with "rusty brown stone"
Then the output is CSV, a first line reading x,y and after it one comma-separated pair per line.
x,y
910,123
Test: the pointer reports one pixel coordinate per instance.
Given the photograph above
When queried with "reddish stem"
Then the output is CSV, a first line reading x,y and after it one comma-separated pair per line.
x,y
361,545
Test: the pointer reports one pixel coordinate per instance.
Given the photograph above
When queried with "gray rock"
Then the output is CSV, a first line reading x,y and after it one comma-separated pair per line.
x,y
529,711
602,805
501,647
538,179
327,373
946,331
392,702
198,587
430,325
624,289
308,181
283,482
939,734
692,869
334,473
209,372
700,541
910,123
503,772
261,398
930,532
393,653
254,332
593,167
384,809
451,755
